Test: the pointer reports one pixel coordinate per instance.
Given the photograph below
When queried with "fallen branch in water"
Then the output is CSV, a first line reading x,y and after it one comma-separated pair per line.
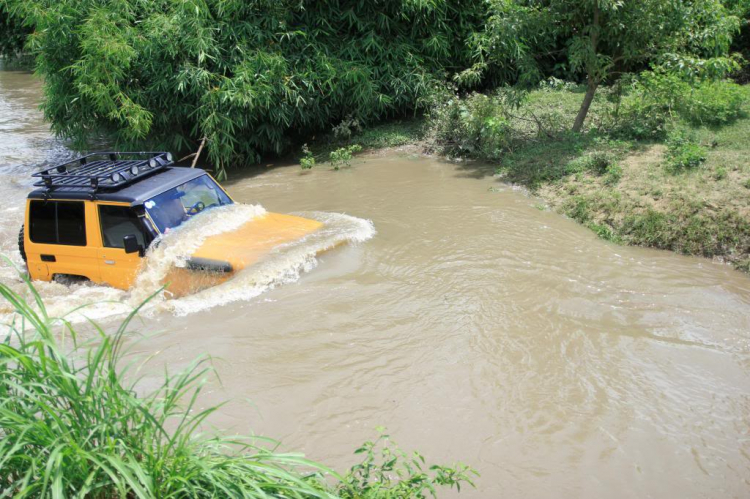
x,y
198,154
194,155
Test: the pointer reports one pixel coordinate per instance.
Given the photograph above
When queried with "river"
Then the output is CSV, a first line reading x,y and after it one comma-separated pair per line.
x,y
474,325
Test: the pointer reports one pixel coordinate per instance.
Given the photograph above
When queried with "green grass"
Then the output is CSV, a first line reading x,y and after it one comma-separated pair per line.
x,y
74,423
326,150
393,134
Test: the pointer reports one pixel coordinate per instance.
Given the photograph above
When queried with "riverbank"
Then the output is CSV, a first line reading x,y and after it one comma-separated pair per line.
x,y
630,192
681,184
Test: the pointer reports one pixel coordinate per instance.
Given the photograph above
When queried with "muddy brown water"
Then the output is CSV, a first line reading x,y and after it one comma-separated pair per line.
x,y
474,326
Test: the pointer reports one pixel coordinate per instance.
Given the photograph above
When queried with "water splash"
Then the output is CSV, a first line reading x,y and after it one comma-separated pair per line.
x,y
174,248
284,264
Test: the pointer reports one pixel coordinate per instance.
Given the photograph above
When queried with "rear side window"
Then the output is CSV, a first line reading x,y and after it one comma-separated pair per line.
x,y
118,222
58,222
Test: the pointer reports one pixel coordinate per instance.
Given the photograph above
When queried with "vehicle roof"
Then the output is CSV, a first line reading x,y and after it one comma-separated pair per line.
x,y
135,194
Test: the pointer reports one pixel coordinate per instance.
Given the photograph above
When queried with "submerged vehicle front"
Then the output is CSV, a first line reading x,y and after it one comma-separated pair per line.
x,y
218,256
97,216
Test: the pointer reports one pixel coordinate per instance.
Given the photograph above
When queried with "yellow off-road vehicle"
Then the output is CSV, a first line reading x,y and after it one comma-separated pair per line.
x,y
94,217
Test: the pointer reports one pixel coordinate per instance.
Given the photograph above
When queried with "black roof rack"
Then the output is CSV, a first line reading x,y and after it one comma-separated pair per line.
x,y
102,171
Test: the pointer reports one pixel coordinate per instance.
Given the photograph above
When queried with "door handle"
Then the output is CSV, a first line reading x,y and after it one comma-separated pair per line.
x,y
49,258
109,262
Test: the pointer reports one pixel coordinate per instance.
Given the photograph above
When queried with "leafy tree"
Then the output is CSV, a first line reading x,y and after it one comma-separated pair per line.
x,y
741,42
248,75
601,39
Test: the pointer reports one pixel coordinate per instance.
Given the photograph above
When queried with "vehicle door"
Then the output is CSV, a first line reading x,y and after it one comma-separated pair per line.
x,y
60,238
118,267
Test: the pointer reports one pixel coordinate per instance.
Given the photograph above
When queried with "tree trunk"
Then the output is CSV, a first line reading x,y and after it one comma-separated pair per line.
x,y
584,111
592,71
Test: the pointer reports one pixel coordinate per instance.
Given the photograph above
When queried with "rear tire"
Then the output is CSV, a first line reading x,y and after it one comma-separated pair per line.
x,y
21,248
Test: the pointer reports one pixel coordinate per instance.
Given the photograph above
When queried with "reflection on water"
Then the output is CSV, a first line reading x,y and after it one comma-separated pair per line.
x,y
476,328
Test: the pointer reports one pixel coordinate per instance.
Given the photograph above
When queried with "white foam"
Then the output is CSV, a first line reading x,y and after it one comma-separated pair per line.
x,y
284,264
174,248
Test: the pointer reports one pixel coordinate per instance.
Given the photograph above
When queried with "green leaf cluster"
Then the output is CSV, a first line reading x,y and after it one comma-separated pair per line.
x,y
683,153
13,34
343,156
248,75
657,99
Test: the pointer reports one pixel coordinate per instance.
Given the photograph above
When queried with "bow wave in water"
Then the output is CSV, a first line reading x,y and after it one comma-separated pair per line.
x,y
284,264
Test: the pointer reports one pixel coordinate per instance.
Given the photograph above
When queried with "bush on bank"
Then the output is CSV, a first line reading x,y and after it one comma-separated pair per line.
x,y
488,126
249,75
73,424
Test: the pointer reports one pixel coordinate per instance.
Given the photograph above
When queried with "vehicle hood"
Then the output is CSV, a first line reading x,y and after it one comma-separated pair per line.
x,y
252,241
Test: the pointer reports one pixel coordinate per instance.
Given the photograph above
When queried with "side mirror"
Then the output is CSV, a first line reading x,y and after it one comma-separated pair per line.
x,y
130,243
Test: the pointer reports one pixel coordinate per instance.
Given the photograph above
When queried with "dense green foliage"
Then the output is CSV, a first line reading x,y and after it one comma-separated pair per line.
x,y
248,75
741,42
254,76
656,99
602,39
683,152
12,34
72,426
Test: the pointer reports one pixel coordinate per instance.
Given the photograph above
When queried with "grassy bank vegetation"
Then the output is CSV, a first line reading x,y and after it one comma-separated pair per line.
x,y
249,78
75,422
661,162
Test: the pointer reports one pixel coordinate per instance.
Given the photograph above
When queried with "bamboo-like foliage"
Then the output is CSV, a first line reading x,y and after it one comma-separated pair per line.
x,y
246,74
12,34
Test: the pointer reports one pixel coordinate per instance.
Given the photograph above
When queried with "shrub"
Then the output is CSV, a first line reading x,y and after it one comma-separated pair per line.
x,y
553,84
713,103
659,98
650,104
614,174
683,153
388,472
348,127
473,126
72,426
343,156
307,161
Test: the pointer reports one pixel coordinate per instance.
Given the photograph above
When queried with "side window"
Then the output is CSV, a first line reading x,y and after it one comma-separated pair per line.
x,y
58,222
118,222
71,224
43,218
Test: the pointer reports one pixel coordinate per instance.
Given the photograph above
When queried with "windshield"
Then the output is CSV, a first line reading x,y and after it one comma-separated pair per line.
x,y
170,208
